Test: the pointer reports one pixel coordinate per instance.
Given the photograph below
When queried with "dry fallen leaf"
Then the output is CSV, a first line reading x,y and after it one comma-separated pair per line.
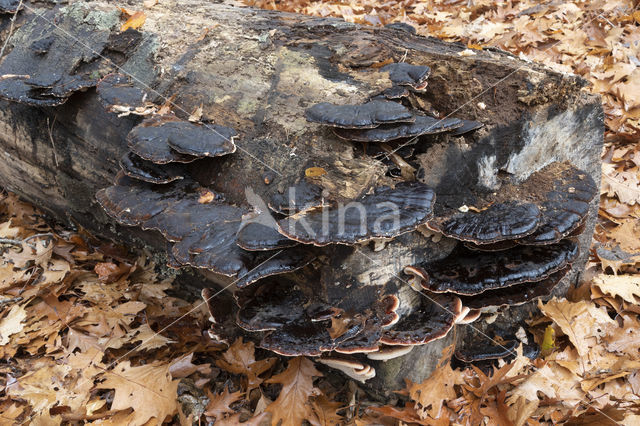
x,y
148,389
293,404
239,359
135,21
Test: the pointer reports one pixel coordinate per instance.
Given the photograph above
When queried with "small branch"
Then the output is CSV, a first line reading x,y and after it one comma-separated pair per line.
x,y
53,144
4,302
9,241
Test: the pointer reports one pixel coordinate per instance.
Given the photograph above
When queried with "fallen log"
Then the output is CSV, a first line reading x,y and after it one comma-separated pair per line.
x,y
260,73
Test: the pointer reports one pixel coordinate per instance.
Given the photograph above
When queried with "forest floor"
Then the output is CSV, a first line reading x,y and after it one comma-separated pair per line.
x,y
89,333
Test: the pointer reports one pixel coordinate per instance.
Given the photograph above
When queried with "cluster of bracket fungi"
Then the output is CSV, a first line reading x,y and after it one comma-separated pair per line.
x,y
514,245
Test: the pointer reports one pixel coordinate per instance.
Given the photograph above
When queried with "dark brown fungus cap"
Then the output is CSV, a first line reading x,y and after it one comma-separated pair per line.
x,y
165,139
423,125
42,70
432,320
214,247
467,126
132,203
221,311
150,140
514,295
9,6
138,168
302,196
499,246
546,207
404,74
255,236
302,321
385,214
201,140
205,233
365,116
116,93
565,205
283,262
498,222
270,305
469,273
394,92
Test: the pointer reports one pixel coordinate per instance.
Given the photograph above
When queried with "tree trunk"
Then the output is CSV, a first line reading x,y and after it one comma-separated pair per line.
x,y
257,71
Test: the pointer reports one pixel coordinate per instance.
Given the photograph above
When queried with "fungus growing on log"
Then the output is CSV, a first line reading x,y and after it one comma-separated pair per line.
x,y
166,139
118,95
255,236
204,234
41,69
197,214
543,209
138,168
301,322
433,320
9,6
300,197
404,74
384,214
365,116
514,295
423,125
283,262
467,272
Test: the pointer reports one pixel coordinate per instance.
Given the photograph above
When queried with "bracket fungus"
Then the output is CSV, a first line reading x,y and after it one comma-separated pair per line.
x,y
138,168
467,272
404,74
423,125
119,95
543,209
9,6
364,116
41,70
386,213
294,293
167,139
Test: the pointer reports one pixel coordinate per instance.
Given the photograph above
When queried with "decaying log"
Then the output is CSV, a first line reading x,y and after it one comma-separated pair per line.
x,y
257,72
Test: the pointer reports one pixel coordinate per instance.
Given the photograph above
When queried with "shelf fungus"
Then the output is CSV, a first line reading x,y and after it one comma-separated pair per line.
x,y
120,96
467,272
404,74
301,288
423,125
543,209
386,213
42,70
167,139
137,168
365,116
9,6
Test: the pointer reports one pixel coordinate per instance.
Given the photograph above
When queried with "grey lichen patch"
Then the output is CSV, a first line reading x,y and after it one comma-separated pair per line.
x,y
101,16
299,78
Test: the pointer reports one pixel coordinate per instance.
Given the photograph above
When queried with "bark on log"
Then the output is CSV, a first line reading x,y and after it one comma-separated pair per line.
x,y
257,71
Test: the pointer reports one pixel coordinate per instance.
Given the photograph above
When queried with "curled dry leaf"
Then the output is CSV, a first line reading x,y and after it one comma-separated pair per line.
x,y
293,404
134,22
240,359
